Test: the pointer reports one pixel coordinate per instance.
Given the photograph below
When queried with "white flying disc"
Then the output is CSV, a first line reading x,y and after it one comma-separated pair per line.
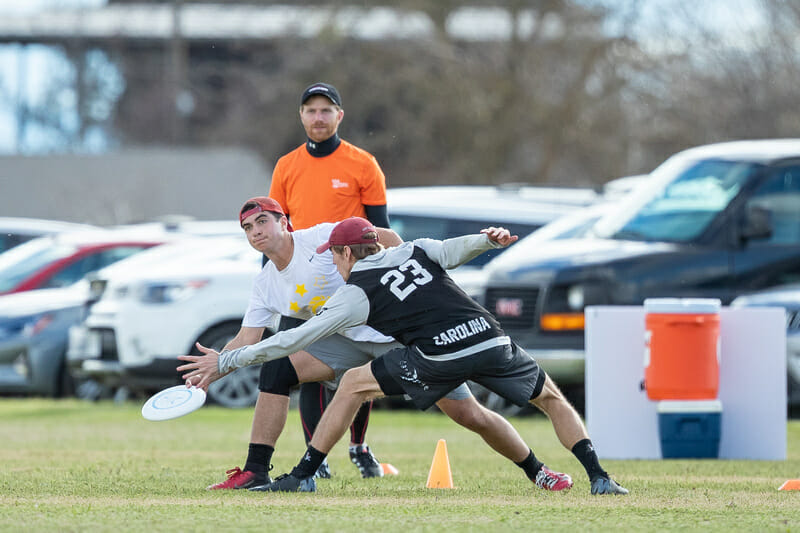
x,y
173,402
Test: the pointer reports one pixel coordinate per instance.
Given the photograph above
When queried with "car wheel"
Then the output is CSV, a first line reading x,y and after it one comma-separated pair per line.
x,y
91,390
65,384
239,388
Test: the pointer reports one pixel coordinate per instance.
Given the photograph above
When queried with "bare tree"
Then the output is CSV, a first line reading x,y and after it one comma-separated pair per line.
x,y
576,92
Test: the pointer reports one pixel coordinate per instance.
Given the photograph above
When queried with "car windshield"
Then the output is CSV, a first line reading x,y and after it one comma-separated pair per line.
x,y
24,260
685,196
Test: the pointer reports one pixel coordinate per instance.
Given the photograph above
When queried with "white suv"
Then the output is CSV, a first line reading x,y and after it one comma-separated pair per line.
x,y
156,307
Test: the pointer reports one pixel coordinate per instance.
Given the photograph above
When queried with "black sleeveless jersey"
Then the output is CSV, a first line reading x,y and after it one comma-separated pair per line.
x,y
414,300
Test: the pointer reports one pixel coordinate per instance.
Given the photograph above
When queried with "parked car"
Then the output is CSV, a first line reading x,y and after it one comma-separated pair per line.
x,y
33,340
618,188
14,231
443,212
61,260
571,226
150,314
788,297
156,306
714,221
34,324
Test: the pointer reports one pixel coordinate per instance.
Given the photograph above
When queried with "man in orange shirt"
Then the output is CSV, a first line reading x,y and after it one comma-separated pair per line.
x,y
326,179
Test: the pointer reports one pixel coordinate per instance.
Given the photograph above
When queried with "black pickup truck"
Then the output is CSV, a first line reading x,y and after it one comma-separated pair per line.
x,y
713,221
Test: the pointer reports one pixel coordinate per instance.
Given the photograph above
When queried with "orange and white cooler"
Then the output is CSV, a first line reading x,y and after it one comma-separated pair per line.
x,y
682,348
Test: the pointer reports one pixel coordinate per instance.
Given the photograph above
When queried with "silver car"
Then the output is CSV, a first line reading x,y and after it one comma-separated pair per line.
x,y
788,297
14,230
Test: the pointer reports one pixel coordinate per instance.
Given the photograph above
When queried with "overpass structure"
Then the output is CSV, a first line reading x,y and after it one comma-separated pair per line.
x,y
207,22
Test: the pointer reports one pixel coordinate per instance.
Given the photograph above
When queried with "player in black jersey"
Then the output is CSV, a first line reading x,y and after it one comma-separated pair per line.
x,y
448,339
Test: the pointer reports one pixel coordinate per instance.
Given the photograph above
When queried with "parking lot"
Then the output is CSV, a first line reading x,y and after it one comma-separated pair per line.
x,y
110,320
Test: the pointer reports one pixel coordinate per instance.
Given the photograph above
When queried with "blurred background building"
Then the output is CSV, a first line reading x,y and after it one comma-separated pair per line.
x,y
556,92
132,185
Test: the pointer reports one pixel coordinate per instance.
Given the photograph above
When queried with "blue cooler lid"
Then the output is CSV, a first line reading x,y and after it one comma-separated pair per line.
x,y
689,406
682,305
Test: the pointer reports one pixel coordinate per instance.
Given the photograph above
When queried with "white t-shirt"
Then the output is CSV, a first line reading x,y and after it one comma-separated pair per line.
x,y
302,288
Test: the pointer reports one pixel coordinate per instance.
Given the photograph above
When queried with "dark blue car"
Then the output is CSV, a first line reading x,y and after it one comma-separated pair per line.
x,y
33,340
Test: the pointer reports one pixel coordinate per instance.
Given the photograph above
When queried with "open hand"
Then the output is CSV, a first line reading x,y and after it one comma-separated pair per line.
x,y
201,370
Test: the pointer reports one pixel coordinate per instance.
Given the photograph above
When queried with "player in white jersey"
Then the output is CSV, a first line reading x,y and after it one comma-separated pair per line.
x,y
294,283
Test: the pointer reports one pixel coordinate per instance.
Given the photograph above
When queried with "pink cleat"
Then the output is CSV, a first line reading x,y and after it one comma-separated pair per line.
x,y
548,480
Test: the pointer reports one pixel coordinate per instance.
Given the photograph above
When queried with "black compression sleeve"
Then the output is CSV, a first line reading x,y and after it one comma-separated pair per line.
x,y
377,215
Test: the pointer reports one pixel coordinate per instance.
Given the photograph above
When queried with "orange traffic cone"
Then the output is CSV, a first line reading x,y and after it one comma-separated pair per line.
x,y
791,484
440,476
389,469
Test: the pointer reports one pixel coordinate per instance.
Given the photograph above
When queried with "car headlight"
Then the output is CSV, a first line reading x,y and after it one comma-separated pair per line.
x,y
96,289
575,297
169,292
12,326
564,306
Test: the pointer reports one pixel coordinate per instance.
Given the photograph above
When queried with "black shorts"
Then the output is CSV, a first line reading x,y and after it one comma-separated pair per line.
x,y
505,370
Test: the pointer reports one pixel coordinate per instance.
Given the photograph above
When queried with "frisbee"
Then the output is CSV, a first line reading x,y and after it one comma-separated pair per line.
x,y
173,402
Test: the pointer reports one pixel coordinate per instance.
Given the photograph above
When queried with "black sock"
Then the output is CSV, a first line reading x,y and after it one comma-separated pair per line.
x,y
258,458
358,428
309,464
585,453
313,400
531,465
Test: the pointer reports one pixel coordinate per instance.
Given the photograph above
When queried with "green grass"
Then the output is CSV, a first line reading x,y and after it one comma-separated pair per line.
x,y
74,466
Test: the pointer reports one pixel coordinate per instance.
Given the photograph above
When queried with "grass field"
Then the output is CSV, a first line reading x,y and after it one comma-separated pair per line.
x,y
75,466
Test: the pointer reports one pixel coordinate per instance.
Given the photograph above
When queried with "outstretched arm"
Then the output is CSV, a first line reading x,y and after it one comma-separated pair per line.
x,y
455,252
348,307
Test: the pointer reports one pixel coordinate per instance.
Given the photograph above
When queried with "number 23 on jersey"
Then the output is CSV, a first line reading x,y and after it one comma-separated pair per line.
x,y
406,278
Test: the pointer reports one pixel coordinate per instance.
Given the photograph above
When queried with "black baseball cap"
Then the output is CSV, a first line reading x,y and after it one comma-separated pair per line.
x,y
323,89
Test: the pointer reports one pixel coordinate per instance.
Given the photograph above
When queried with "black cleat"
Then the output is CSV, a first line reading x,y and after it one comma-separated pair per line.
x,y
324,471
287,483
604,485
362,457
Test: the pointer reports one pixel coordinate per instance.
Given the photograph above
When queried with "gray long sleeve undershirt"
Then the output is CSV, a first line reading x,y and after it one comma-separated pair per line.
x,y
349,305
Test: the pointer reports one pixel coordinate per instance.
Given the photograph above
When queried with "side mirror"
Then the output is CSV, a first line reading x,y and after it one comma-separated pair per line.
x,y
757,224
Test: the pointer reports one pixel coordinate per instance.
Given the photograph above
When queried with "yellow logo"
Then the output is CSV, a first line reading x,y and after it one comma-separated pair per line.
x,y
317,302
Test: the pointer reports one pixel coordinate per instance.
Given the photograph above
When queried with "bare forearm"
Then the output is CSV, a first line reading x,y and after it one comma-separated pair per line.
x,y
245,337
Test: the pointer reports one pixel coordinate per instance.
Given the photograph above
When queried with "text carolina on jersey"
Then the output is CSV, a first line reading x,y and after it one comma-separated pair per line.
x,y
461,332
